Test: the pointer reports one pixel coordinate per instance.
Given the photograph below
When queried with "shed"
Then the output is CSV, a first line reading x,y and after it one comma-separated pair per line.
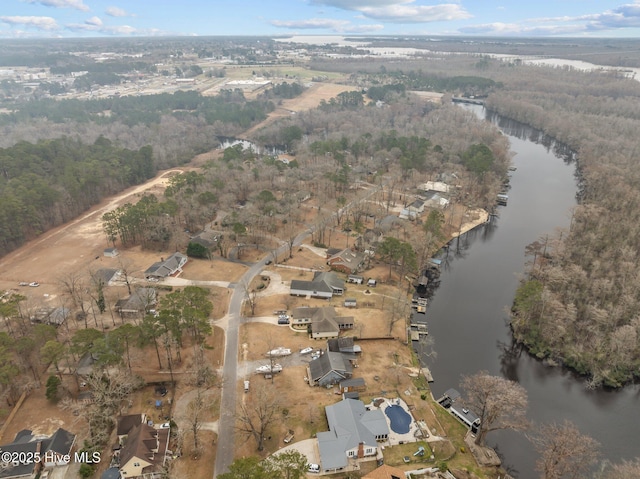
x,y
110,252
350,303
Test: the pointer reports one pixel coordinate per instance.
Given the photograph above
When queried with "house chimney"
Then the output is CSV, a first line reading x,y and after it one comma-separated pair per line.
x,y
360,450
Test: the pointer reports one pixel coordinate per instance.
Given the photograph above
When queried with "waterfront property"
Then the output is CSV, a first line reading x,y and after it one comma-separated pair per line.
x,y
323,285
402,426
467,417
354,433
329,369
323,323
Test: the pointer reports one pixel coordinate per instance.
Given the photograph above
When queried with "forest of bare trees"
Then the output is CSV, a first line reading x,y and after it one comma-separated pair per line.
x,y
579,304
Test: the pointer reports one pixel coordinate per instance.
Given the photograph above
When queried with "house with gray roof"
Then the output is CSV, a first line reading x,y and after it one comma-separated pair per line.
x,y
354,433
347,261
171,266
208,238
330,368
344,345
52,449
323,323
106,276
323,285
138,303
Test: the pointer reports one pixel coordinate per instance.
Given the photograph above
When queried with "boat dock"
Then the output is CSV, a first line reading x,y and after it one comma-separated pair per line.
x,y
426,372
417,330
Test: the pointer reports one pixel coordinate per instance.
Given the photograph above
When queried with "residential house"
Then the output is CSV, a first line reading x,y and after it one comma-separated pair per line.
x,y
172,266
144,451
354,433
330,368
138,303
323,285
347,261
106,276
56,448
53,449
58,316
126,423
386,224
386,472
437,186
54,316
209,239
323,322
344,345
110,252
416,208
436,201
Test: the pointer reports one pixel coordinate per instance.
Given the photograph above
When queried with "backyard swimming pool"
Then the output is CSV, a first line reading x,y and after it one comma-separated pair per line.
x,y
399,418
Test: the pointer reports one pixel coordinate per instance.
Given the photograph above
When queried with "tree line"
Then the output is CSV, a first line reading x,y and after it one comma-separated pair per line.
x,y
48,183
227,107
578,304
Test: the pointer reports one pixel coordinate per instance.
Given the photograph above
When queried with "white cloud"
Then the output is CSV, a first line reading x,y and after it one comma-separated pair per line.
x,y
121,30
416,13
358,4
624,16
41,23
116,12
400,11
337,26
95,21
77,4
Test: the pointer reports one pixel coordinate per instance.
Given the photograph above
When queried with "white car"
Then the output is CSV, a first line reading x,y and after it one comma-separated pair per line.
x,y
314,468
34,284
306,350
165,425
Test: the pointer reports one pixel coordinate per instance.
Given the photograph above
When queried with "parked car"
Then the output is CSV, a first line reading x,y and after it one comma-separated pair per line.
x,y
314,468
23,283
34,284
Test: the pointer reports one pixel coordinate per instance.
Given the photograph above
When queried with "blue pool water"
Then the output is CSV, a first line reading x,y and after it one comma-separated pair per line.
x,y
400,419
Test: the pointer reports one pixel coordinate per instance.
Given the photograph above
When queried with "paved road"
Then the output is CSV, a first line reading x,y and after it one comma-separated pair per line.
x,y
226,425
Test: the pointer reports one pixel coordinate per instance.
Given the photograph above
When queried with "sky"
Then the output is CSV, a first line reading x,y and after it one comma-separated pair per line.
x,y
128,18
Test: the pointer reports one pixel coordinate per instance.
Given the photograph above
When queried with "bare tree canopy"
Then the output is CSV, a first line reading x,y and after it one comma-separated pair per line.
x,y
626,469
565,453
498,402
254,418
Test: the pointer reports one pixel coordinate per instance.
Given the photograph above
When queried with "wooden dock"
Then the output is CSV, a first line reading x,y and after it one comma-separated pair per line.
x,y
426,372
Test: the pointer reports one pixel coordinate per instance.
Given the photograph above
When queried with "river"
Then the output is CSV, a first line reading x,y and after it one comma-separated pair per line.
x,y
467,316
